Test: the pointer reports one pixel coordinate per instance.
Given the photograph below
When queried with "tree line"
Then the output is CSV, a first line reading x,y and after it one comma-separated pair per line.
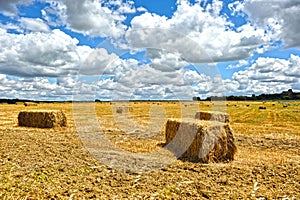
x,y
285,95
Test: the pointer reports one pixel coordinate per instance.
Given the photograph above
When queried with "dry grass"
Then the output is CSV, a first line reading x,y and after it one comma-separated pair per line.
x,y
53,163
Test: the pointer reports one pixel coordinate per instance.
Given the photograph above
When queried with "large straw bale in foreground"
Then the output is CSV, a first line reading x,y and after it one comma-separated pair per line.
x,y
42,118
213,116
200,141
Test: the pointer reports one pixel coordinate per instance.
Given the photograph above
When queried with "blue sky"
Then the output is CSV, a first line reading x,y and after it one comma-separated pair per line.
x,y
142,49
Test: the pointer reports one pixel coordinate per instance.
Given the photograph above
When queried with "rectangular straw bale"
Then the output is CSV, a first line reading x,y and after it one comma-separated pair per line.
x,y
262,107
30,104
200,141
123,109
127,109
42,118
212,116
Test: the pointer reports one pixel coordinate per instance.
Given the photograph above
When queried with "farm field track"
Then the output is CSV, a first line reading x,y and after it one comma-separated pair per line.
x,y
54,164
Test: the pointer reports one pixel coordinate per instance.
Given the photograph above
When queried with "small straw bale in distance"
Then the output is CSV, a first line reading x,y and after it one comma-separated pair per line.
x,y
42,118
213,116
30,104
124,109
200,141
262,108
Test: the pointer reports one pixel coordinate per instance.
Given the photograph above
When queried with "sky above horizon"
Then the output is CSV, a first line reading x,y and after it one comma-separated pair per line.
x,y
147,49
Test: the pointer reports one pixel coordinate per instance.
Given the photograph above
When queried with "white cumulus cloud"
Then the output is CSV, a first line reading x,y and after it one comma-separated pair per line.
x,y
34,24
197,34
265,75
282,16
90,18
9,7
40,54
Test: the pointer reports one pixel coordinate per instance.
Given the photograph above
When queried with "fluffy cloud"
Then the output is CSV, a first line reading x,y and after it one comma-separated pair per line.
x,y
40,54
148,82
165,61
30,88
88,17
241,63
55,13
9,26
294,67
97,62
121,6
146,75
141,83
197,34
34,24
55,54
40,88
9,7
281,16
266,75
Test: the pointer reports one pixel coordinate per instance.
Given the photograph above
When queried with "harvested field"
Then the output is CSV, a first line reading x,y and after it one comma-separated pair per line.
x,y
53,163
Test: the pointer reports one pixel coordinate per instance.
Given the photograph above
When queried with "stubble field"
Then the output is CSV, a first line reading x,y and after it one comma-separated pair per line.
x,y
54,163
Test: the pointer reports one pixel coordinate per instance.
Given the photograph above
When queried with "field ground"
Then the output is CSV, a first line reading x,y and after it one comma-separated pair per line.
x,y
53,163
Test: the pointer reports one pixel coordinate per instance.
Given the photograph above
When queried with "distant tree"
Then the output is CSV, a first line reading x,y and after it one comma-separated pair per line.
x,y
196,99
208,99
230,98
242,98
286,98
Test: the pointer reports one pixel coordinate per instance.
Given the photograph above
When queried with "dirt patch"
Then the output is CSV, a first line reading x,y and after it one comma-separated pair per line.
x,y
290,145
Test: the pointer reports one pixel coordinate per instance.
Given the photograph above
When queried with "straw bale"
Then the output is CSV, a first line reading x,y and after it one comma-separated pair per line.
x,y
200,141
119,110
124,109
30,104
213,116
42,118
